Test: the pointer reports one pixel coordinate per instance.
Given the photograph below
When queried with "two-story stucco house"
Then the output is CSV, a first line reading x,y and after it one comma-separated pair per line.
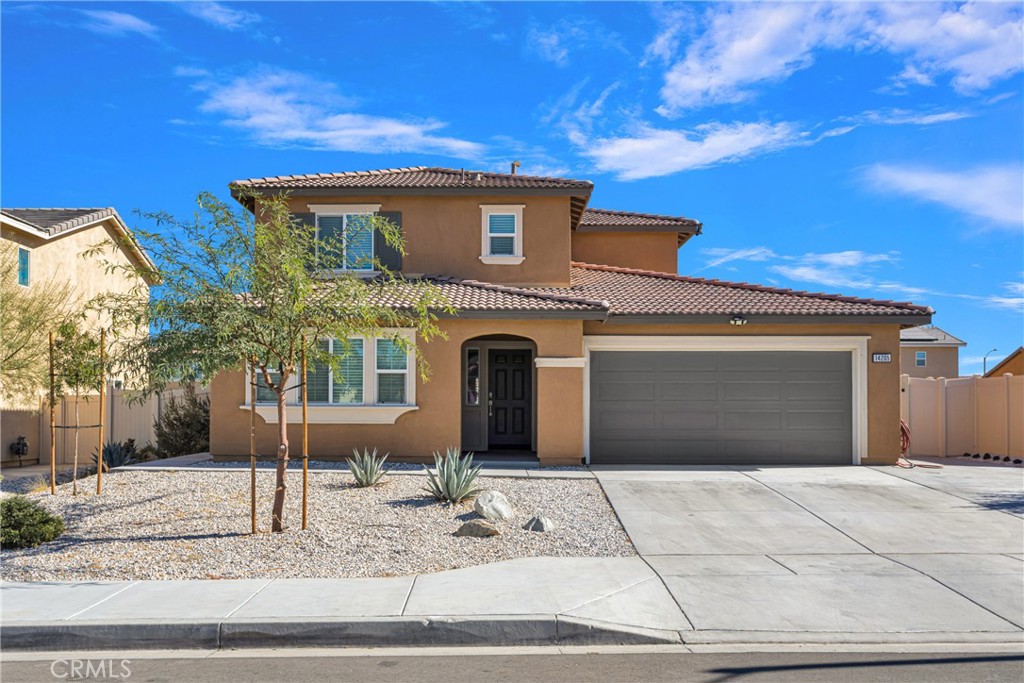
x,y
929,351
49,245
576,341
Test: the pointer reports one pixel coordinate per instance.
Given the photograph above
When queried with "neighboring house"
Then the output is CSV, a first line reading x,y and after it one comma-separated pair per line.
x,y
928,351
575,341
49,245
1012,364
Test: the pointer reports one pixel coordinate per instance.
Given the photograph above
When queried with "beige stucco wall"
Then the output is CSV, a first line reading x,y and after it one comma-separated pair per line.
x,y
943,361
655,251
883,378
437,423
559,393
443,235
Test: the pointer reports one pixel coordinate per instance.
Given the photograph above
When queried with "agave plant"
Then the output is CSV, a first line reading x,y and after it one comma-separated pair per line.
x,y
117,454
453,477
367,468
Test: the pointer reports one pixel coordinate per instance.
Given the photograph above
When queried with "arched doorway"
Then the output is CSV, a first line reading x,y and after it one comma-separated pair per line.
x,y
499,395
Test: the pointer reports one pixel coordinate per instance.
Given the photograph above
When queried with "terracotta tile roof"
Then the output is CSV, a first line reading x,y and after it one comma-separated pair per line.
x,y
472,295
415,177
609,218
54,221
648,293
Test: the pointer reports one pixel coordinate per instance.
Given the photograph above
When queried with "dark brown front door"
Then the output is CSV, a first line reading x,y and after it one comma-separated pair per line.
x,y
509,412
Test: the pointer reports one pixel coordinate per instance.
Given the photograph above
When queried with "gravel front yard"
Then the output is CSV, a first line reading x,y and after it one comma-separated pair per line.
x,y
194,525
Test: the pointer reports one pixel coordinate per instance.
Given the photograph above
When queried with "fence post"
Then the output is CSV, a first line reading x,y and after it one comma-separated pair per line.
x,y
1009,416
940,386
974,405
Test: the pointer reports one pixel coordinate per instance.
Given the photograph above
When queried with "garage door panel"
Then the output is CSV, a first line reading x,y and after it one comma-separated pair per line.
x,y
816,420
687,391
745,390
629,419
698,418
758,420
721,407
627,391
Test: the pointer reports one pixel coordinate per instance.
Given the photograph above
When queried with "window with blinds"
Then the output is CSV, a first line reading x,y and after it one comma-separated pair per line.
x,y
353,234
501,234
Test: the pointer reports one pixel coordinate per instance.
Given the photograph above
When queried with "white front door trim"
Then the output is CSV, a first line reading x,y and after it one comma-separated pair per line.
x,y
857,346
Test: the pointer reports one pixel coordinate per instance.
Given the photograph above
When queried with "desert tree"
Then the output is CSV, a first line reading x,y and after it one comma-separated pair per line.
x,y
27,316
77,370
240,290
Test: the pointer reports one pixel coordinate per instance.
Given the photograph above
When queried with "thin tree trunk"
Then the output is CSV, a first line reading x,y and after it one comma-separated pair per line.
x,y
282,460
74,475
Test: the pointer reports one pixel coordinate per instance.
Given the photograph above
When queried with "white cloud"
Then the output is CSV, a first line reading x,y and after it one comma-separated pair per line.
x,y
994,193
281,108
720,256
829,277
548,46
1011,299
742,46
900,117
117,23
190,71
849,259
221,15
650,152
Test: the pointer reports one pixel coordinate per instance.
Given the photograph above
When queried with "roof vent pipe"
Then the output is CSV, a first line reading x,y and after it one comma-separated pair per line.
x,y
515,165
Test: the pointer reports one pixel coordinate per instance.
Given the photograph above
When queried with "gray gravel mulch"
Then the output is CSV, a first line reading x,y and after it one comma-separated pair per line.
x,y
195,525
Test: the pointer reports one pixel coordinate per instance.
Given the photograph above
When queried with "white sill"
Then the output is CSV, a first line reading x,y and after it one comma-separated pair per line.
x,y
502,260
336,414
337,272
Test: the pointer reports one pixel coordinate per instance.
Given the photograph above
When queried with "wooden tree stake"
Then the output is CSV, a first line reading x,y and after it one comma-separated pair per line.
x,y
252,444
305,438
53,423
103,382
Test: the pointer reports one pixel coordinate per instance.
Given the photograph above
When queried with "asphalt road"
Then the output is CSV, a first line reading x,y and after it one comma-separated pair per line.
x,y
292,667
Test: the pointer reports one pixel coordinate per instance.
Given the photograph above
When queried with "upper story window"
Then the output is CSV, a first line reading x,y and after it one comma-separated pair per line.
x,y
921,359
501,234
23,266
347,226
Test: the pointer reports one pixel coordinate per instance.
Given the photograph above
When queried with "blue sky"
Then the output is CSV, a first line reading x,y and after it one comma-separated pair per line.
x,y
870,149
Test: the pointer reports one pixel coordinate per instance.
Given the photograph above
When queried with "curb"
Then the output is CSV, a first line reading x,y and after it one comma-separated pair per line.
x,y
341,632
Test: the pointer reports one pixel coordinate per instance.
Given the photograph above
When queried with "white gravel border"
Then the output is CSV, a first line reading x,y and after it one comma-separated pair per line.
x,y
195,525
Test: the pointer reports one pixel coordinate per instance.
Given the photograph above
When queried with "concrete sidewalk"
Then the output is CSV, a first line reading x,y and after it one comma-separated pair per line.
x,y
532,601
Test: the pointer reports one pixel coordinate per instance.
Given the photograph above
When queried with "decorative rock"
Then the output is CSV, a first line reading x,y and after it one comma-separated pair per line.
x,y
539,523
493,505
477,528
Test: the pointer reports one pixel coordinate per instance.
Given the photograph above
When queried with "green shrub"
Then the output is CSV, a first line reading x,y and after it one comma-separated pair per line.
x,y
118,454
368,468
184,425
453,477
25,523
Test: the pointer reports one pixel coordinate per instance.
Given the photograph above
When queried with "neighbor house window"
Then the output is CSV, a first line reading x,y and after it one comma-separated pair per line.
x,y
921,359
264,394
502,234
369,372
23,266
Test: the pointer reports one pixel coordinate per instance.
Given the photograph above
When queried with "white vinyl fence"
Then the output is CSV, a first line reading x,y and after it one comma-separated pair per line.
x,y
976,414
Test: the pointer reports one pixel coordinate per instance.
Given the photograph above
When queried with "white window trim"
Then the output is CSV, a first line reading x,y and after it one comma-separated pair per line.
x,y
918,359
857,346
485,243
367,412
343,211
28,261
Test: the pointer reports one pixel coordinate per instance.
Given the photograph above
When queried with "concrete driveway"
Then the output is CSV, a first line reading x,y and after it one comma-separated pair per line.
x,y
903,554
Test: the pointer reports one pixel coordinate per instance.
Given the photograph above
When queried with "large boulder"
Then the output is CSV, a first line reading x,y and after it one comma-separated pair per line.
x,y
494,506
539,523
477,528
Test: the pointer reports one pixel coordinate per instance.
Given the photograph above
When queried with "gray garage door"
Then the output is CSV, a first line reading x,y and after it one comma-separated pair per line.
x,y
689,408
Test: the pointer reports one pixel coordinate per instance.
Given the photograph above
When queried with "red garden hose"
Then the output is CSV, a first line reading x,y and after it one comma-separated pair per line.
x,y
905,448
